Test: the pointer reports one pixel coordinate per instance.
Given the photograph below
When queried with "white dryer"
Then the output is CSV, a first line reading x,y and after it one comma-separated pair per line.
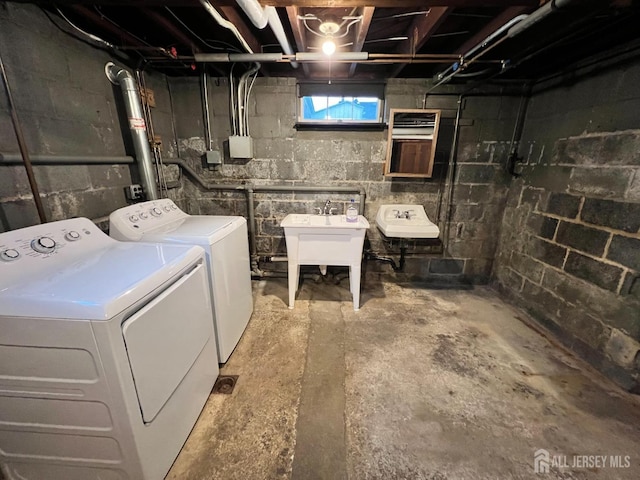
x,y
107,353
225,241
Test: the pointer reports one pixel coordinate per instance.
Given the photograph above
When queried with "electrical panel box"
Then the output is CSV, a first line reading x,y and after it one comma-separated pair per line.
x,y
240,146
212,157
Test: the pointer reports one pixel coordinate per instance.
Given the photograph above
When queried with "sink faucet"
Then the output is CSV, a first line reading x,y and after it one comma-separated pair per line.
x,y
327,210
405,214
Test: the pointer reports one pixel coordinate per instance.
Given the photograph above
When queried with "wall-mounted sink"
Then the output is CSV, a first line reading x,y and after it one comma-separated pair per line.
x,y
324,240
405,221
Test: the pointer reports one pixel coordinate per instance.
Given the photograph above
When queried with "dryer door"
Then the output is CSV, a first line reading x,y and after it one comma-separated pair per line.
x,y
165,337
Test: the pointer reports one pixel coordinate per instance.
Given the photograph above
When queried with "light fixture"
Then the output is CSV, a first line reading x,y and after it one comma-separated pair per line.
x,y
329,47
329,27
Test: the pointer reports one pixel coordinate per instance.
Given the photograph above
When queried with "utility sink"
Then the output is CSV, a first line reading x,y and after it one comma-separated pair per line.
x,y
405,221
324,240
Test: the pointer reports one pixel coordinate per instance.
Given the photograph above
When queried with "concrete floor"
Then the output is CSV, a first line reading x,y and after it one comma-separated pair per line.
x,y
419,384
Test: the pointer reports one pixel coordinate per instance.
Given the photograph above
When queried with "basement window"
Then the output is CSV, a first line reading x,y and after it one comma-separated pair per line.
x,y
340,105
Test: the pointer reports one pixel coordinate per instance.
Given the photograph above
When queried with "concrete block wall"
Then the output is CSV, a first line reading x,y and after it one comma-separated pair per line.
x,y
570,244
286,156
67,106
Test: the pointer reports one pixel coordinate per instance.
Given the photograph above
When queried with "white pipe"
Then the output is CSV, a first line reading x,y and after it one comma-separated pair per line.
x,y
260,16
255,12
225,23
278,31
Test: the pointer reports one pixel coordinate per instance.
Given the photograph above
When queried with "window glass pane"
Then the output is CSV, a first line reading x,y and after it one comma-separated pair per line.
x,y
340,109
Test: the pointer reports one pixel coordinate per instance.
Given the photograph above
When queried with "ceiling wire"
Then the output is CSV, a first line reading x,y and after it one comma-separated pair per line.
x,y
206,43
95,38
104,17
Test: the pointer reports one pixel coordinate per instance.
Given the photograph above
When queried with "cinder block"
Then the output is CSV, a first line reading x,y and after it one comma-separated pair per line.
x,y
547,252
600,182
16,214
541,300
622,349
600,274
609,307
542,225
527,266
619,215
631,285
626,251
583,326
477,173
633,191
582,238
446,266
563,205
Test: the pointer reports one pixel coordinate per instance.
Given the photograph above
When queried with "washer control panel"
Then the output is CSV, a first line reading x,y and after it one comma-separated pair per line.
x,y
49,241
130,223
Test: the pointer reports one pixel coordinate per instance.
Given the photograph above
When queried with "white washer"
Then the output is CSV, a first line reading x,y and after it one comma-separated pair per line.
x,y
225,241
107,354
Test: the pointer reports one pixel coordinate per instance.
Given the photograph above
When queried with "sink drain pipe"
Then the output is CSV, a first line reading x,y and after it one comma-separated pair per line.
x,y
369,255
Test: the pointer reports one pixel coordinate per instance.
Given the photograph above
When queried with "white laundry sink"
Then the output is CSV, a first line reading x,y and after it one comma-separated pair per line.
x,y
405,221
324,240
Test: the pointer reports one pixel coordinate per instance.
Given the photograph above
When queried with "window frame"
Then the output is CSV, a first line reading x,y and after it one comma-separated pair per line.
x,y
342,90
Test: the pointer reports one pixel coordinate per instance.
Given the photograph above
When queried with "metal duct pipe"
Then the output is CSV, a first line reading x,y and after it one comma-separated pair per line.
x,y
261,16
137,127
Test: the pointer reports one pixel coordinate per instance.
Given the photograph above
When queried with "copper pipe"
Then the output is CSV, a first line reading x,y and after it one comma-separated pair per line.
x,y
23,146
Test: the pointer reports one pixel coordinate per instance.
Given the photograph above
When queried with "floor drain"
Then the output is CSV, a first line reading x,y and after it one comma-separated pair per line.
x,y
225,384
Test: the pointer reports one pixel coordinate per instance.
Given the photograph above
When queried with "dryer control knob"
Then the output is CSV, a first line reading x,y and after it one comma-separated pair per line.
x,y
72,236
133,218
173,207
166,208
143,216
43,245
156,212
9,255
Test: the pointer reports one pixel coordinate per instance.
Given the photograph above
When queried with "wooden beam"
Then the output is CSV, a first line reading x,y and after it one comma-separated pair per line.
x,y
171,29
491,27
420,31
361,34
298,34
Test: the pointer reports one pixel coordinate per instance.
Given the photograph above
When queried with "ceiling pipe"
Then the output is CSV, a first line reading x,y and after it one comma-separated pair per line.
x,y
137,127
538,15
514,27
223,22
260,17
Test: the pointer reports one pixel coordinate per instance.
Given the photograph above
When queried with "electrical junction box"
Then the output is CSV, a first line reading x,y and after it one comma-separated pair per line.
x,y
212,157
240,146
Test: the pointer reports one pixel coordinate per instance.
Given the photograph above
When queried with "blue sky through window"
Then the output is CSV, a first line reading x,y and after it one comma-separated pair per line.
x,y
340,109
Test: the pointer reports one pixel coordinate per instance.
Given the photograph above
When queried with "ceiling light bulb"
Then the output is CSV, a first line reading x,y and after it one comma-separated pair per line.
x,y
329,47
